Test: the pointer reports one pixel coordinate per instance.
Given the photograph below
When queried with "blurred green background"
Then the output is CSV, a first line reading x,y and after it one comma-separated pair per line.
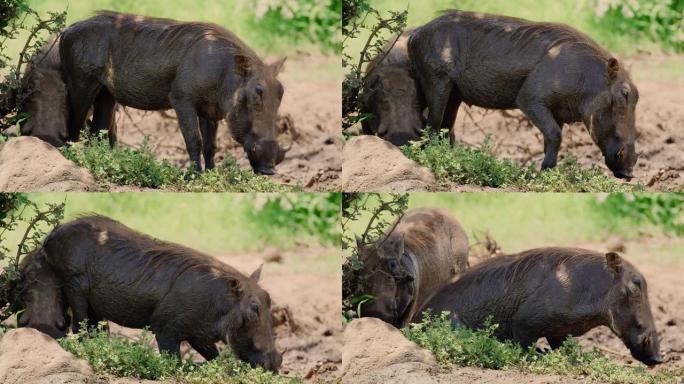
x,y
212,223
622,26
653,224
268,26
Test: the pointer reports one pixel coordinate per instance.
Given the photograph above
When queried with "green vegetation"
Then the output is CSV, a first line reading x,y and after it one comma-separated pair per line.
x,y
480,348
119,356
283,215
139,167
479,166
310,21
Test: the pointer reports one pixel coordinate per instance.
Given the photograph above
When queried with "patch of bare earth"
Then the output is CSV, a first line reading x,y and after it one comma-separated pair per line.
x,y
659,122
311,106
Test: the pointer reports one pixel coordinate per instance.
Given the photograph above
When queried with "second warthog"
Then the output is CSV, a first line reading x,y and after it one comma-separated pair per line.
x,y
401,270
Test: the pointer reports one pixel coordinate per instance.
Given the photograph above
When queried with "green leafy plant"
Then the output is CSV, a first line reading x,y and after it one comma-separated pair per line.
x,y
664,210
466,347
660,21
122,357
463,164
382,210
313,21
310,213
139,167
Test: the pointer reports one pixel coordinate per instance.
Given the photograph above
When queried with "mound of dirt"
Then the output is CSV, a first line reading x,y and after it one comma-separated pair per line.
x,y
370,163
28,356
28,164
376,352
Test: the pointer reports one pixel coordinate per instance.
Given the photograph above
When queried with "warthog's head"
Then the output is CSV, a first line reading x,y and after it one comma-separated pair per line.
x,y
629,311
388,277
391,96
610,119
41,292
252,119
251,333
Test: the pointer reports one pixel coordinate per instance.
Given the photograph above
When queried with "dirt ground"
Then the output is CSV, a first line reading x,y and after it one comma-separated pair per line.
x,y
306,306
664,278
312,102
660,119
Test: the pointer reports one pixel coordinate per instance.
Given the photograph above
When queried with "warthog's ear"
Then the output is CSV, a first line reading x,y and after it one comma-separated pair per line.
x,y
614,262
277,66
256,275
243,65
612,68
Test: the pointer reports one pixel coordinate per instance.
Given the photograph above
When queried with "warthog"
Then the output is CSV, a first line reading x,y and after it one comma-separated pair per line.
x,y
391,94
45,97
202,71
554,293
553,73
425,249
41,291
110,272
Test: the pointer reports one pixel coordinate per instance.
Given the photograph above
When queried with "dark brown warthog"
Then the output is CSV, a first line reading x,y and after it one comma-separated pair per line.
x,y
554,293
391,94
110,272
40,290
552,72
202,71
45,97
402,269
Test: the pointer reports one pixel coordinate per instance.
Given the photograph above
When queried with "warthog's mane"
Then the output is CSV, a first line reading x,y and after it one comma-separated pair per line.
x,y
150,254
515,268
523,33
175,32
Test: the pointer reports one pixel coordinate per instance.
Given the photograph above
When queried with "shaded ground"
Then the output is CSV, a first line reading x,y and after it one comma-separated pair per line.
x,y
307,301
312,101
660,119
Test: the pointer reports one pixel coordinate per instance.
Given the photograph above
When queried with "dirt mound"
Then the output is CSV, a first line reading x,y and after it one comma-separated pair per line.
x,y
31,357
373,164
375,351
28,164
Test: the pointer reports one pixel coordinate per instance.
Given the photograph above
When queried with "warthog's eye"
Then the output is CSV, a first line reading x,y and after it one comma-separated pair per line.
x,y
625,91
254,306
637,282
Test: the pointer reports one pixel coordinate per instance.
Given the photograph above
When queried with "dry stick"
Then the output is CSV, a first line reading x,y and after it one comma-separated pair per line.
x,y
392,229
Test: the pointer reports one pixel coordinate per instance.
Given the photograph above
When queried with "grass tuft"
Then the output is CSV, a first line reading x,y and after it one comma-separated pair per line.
x,y
479,348
138,167
479,166
121,357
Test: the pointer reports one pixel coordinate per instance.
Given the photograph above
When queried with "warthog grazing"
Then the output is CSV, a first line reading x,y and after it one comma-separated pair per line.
x,y
426,248
202,71
41,291
554,293
391,94
45,97
551,72
110,272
